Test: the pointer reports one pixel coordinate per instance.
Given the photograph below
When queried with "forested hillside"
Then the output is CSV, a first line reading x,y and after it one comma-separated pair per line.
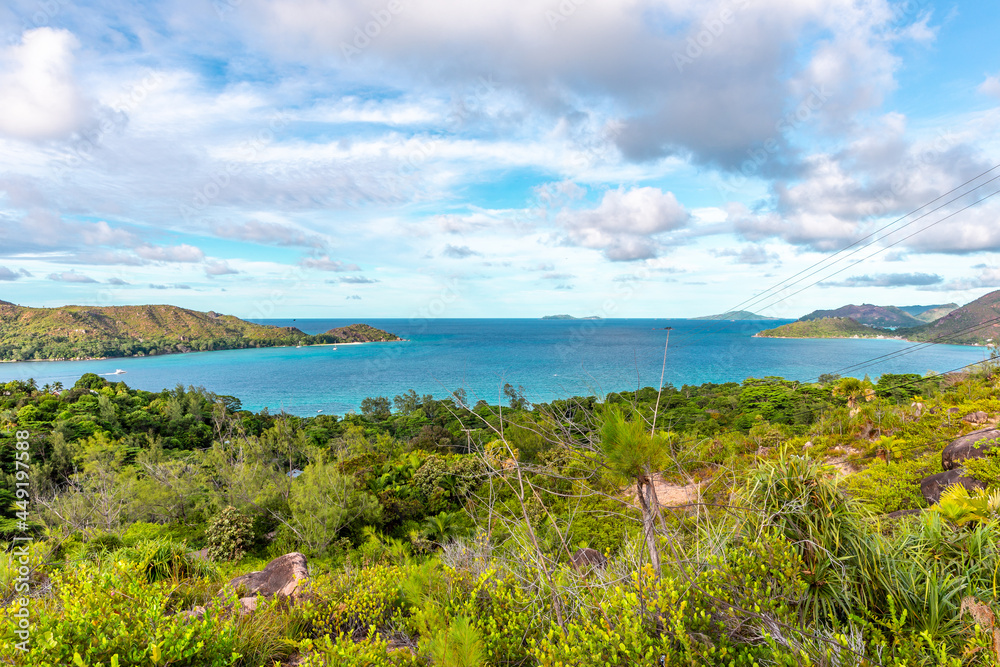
x,y
79,332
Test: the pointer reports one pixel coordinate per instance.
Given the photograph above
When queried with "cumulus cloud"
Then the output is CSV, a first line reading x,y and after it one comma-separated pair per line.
x,y
324,263
117,281
881,175
624,225
71,277
358,280
178,253
11,274
888,280
707,79
988,277
42,99
353,297
268,233
219,268
458,252
174,286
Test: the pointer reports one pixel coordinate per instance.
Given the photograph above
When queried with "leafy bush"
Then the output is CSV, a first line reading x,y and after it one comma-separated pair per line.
x,y
893,486
344,652
99,611
104,544
229,535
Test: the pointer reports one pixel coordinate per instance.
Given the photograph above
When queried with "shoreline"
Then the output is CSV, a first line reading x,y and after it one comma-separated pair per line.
x,y
228,349
900,338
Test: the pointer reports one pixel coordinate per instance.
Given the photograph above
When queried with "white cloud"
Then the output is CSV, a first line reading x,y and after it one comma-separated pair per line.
x,y
624,225
10,274
177,253
324,263
41,97
267,233
71,277
991,86
458,252
219,268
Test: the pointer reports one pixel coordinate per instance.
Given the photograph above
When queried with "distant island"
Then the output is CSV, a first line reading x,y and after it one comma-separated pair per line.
x,y
736,315
973,324
570,317
95,332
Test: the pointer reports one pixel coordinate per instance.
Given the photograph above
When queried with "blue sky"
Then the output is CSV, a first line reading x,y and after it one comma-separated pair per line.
x,y
395,158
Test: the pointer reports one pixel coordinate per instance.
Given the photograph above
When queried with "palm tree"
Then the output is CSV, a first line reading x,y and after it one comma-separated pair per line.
x,y
855,390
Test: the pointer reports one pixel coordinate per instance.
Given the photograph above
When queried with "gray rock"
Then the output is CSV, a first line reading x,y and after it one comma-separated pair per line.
x,y
976,417
248,606
931,487
587,559
281,577
970,446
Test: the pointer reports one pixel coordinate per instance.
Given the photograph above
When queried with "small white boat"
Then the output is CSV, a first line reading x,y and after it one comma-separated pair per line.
x,y
118,371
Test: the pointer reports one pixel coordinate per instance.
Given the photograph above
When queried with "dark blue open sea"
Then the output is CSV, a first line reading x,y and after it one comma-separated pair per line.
x,y
549,358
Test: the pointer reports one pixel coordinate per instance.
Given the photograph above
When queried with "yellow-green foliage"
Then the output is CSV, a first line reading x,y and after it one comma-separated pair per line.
x,y
97,612
893,486
353,602
344,652
986,469
505,615
613,628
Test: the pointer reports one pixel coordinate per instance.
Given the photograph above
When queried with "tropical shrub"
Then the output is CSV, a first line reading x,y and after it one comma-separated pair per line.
x,y
229,535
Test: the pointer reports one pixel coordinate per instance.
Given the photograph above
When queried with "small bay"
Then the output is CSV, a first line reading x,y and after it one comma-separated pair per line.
x,y
551,359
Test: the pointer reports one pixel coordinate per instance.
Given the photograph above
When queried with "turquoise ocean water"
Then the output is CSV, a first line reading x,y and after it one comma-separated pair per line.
x,y
549,358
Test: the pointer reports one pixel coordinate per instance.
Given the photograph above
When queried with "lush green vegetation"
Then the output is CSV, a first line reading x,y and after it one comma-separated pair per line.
x,y
867,314
830,327
743,525
75,332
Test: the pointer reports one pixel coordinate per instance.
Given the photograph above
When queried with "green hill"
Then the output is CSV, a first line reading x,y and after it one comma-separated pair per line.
x,y
829,327
866,313
929,313
936,313
972,324
80,332
736,315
